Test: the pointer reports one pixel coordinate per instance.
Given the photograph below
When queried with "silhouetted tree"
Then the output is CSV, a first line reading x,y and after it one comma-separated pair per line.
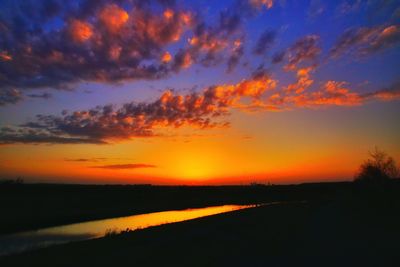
x,y
18,181
378,168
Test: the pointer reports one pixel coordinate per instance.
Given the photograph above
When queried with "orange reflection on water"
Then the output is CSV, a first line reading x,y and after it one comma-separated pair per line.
x,y
100,227
81,231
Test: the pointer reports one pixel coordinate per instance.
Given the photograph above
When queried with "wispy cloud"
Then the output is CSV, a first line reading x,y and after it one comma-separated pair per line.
x,y
9,96
303,52
125,166
386,94
86,159
264,42
365,41
44,95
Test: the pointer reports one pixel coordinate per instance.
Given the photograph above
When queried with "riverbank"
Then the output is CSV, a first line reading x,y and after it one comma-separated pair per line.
x,y
352,230
32,206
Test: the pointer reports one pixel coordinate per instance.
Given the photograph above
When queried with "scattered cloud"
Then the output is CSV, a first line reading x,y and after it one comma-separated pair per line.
x,y
86,159
258,4
306,49
99,41
105,123
347,7
113,41
25,136
44,95
265,42
304,81
366,41
316,9
332,93
125,166
202,110
119,40
9,96
237,53
386,94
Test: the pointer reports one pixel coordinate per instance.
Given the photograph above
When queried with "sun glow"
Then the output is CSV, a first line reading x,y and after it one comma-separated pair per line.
x,y
195,167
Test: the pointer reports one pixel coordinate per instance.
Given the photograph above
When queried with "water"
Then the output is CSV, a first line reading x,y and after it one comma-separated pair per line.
x,y
94,229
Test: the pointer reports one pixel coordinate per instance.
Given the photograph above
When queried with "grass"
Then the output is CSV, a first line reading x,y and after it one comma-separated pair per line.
x,y
352,227
33,206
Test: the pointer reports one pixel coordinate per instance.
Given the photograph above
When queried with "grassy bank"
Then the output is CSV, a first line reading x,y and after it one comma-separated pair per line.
x,y
32,206
349,230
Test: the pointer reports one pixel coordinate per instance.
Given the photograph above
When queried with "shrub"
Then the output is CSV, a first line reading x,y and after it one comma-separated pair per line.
x,y
379,167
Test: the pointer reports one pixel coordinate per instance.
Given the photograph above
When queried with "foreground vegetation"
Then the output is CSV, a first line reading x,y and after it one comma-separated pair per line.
x,y
345,225
32,206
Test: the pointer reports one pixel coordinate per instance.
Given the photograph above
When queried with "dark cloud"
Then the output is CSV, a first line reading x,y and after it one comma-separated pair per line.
x,y
379,9
386,94
9,96
42,95
365,41
306,49
211,45
57,44
36,137
265,42
98,41
278,57
86,160
387,38
237,53
125,166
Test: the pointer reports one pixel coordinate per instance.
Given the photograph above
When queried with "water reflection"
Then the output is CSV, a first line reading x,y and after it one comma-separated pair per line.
x,y
94,229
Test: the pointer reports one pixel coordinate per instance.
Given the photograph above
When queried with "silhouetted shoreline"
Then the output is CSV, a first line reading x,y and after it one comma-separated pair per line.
x,y
339,224
33,206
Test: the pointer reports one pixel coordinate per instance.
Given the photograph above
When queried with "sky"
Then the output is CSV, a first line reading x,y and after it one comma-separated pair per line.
x,y
197,92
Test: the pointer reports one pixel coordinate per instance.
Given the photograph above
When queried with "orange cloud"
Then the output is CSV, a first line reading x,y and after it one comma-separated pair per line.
x,y
333,93
207,42
387,37
166,57
303,50
5,56
304,81
183,59
80,31
161,29
113,17
365,41
105,123
168,13
115,52
387,94
260,3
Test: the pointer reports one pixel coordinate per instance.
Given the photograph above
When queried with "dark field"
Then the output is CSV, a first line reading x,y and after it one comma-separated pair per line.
x,y
27,207
341,224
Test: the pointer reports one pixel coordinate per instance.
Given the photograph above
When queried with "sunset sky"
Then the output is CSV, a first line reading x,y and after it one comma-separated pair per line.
x,y
196,92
